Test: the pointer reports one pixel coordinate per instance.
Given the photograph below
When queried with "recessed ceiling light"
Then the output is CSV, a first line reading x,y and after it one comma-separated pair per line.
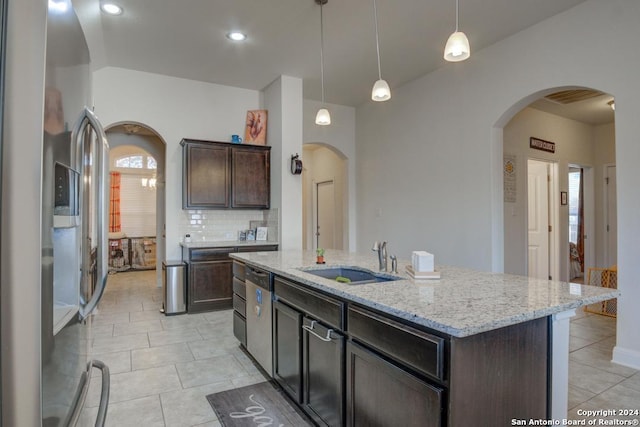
x,y
236,36
111,8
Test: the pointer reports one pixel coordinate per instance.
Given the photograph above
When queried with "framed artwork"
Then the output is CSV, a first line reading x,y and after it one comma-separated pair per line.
x,y
261,233
256,127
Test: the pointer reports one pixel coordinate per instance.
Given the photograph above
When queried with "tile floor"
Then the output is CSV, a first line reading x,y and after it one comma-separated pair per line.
x,y
163,367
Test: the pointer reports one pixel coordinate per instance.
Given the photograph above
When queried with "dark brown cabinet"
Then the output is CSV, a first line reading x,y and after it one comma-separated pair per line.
x,y
250,177
211,282
220,175
379,393
206,175
287,349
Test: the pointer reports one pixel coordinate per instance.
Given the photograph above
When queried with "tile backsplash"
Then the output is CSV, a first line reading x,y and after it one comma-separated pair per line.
x,y
219,225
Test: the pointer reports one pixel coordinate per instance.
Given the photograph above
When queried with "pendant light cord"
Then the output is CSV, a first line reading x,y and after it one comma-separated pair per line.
x,y
375,16
456,16
321,53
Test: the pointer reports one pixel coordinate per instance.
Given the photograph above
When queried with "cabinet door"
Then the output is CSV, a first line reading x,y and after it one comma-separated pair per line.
x,y
323,373
210,285
250,181
287,349
379,393
206,176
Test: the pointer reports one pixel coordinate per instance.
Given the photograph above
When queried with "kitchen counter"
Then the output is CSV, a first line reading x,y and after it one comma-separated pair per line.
x,y
227,243
463,302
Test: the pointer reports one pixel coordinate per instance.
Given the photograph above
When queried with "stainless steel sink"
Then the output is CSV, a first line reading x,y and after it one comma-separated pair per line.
x,y
353,275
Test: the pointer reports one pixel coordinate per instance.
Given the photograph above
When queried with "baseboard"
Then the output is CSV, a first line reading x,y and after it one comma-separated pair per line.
x,y
626,357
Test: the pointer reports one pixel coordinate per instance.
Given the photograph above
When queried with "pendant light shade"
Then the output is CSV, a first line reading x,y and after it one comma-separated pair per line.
x,y
381,90
323,118
457,48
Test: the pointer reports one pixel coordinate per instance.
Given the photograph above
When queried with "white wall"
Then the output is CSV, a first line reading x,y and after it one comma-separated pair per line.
x,y
175,109
283,99
341,135
21,211
574,145
429,167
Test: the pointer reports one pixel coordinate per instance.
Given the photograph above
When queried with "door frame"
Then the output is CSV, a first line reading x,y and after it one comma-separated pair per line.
x,y
554,218
314,207
605,198
589,218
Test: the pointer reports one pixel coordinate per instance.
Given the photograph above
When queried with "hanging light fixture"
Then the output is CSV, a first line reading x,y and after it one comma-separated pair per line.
x,y
380,91
323,118
457,47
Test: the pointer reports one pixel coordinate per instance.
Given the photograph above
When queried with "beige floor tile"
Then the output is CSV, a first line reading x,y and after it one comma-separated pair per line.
x,y
589,333
100,318
183,321
141,327
603,323
189,407
592,379
618,397
121,343
213,347
101,330
117,362
632,382
578,395
215,423
600,358
576,343
143,412
112,308
212,370
136,384
159,356
173,336
142,316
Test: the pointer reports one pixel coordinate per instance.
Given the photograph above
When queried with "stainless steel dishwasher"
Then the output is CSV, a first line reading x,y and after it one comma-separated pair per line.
x,y
259,326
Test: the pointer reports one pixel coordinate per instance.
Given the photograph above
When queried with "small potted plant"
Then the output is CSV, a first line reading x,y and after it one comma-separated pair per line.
x,y
319,256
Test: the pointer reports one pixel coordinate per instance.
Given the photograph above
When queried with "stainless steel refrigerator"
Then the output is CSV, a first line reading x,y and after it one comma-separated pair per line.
x,y
74,220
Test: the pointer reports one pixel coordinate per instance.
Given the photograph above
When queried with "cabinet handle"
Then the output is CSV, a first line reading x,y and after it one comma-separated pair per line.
x,y
312,332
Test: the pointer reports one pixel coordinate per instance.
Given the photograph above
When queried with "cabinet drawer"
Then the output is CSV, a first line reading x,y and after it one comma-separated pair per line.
x,y
240,305
240,328
240,288
209,254
260,248
412,347
238,270
323,308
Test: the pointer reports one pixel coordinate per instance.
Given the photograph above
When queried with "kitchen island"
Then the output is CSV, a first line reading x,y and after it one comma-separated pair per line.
x,y
470,347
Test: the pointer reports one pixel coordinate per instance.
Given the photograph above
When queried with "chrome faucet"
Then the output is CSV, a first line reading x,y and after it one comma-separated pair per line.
x,y
381,248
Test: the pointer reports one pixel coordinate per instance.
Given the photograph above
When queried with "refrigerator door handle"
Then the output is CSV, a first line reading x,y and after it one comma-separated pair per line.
x,y
82,394
89,119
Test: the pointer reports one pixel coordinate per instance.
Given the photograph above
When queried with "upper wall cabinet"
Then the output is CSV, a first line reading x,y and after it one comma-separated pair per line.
x,y
219,175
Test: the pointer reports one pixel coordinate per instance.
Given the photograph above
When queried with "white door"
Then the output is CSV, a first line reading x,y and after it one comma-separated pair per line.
x,y
325,211
612,217
538,219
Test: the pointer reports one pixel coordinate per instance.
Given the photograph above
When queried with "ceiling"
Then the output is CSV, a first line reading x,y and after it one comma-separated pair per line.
x,y
592,111
187,39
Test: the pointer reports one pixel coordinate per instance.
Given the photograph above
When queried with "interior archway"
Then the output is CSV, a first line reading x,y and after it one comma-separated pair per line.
x,y
326,166
146,139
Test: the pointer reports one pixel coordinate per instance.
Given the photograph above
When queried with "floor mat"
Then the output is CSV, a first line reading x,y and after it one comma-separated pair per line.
x,y
257,404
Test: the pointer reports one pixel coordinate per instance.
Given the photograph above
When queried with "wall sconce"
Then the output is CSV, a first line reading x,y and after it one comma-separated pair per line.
x,y
296,165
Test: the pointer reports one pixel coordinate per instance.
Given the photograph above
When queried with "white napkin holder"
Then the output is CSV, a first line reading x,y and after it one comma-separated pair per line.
x,y
422,261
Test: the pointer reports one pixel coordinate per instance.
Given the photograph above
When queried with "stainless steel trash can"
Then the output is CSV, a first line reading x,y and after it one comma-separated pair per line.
x,y
174,287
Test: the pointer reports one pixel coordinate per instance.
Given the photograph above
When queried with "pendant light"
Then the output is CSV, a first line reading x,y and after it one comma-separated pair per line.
x,y
323,118
457,47
380,91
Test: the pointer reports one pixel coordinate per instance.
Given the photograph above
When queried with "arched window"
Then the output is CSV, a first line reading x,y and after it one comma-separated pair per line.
x,y
136,161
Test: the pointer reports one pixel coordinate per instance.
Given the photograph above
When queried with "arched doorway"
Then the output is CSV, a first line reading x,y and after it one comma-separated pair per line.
x,y
140,141
325,198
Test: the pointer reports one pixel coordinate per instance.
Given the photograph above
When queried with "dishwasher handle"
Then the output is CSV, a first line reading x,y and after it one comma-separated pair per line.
x,y
310,329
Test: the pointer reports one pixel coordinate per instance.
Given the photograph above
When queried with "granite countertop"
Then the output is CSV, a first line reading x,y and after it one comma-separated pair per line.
x,y
461,303
227,243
